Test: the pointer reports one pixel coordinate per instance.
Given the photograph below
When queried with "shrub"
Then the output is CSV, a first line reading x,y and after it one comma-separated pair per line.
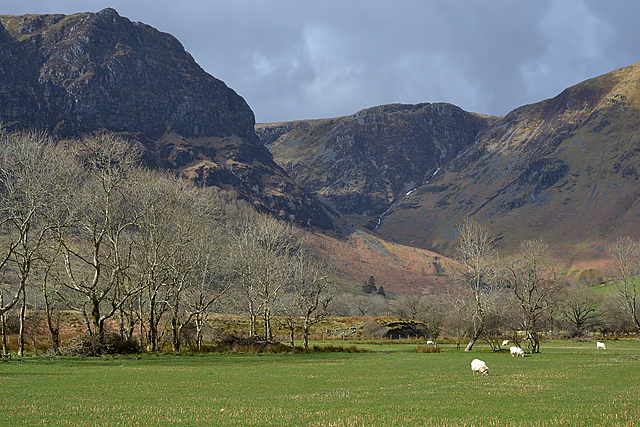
x,y
86,345
242,344
232,343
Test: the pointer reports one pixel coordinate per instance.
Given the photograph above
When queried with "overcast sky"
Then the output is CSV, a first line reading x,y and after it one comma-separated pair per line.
x,y
298,59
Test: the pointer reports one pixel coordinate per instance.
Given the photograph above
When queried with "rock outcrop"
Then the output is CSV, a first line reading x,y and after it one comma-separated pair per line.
x,y
78,74
362,164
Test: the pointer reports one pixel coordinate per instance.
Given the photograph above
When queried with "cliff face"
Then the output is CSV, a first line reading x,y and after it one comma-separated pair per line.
x,y
363,163
77,74
100,70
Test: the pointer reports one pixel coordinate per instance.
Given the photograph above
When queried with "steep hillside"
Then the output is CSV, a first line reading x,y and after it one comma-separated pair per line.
x,y
565,169
77,74
399,269
363,163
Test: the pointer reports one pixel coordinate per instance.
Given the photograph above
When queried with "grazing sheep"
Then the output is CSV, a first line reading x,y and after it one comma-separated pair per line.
x,y
430,342
505,342
517,351
600,345
478,365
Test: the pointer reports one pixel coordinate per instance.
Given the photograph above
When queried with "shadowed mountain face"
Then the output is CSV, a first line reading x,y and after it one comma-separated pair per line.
x,y
77,74
564,169
362,164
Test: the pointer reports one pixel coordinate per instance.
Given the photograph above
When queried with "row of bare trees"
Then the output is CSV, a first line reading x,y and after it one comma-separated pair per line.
x,y
84,227
527,291
92,230
522,295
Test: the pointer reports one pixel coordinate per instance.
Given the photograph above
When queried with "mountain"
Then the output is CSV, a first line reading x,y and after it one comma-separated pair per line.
x,y
361,164
77,74
564,169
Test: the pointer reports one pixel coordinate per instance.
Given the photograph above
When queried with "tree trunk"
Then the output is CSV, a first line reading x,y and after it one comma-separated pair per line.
x,y
121,323
54,332
87,323
5,348
291,329
95,316
23,311
175,334
252,325
305,329
474,339
140,325
199,326
54,329
153,329
267,325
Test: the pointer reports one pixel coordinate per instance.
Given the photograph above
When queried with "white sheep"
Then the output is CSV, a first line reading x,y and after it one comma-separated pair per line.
x,y
600,345
505,343
478,365
430,342
517,351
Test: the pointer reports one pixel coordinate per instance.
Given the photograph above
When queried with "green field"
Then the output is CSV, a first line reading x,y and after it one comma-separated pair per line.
x,y
568,384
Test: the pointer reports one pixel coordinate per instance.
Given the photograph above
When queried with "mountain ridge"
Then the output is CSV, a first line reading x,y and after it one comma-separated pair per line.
x,y
359,164
564,169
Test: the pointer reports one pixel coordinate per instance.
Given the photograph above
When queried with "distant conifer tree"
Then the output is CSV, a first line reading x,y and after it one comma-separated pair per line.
x,y
370,286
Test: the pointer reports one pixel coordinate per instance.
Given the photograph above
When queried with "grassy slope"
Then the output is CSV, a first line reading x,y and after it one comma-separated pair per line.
x,y
595,201
568,384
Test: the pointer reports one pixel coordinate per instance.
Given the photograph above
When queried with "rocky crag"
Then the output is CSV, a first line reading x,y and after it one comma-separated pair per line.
x,y
82,73
362,164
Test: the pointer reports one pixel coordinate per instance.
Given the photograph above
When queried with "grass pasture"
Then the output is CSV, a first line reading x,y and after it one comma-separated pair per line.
x,y
568,384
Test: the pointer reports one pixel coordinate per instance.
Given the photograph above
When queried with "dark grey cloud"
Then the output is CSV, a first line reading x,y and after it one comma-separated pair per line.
x,y
294,60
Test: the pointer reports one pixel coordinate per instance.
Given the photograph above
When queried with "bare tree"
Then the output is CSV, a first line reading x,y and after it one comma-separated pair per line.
x,y
475,269
262,251
97,251
208,280
535,281
23,174
198,272
164,203
33,180
458,311
365,305
289,315
579,307
614,316
625,254
408,306
312,290
432,315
